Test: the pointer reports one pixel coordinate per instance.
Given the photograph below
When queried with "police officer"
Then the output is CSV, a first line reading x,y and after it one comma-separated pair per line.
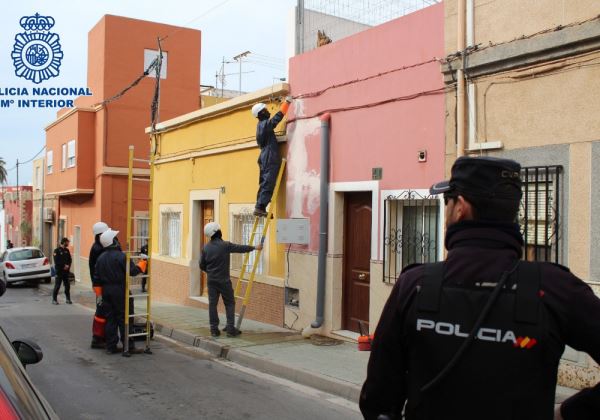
x,y
62,265
269,159
110,267
215,262
480,335
100,315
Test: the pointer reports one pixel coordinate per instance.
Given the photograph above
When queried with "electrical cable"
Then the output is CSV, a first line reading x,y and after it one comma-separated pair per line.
x,y
195,19
29,160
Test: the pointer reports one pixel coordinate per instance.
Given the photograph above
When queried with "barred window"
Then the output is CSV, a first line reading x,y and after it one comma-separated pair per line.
x,y
539,213
411,232
170,241
240,234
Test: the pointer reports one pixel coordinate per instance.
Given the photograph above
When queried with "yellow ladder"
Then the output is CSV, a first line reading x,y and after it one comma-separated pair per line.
x,y
132,252
250,281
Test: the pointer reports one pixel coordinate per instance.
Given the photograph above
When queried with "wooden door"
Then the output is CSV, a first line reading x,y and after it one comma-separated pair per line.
x,y
207,214
357,260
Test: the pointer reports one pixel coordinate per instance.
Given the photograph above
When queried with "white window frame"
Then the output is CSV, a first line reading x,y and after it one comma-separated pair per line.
x,y
149,56
49,158
171,231
63,163
71,154
242,238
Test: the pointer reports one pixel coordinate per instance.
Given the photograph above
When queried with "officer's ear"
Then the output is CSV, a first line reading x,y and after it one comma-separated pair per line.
x,y
463,209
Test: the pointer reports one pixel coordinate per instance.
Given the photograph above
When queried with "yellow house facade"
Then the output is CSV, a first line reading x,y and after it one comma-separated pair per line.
x,y
206,170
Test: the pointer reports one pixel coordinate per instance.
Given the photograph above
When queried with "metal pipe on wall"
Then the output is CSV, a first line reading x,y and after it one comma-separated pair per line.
x,y
460,86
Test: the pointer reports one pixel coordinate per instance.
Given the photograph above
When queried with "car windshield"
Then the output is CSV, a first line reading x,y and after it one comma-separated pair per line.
x,y
25,254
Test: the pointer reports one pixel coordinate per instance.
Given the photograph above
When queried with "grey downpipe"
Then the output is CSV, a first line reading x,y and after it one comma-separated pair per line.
x,y
323,221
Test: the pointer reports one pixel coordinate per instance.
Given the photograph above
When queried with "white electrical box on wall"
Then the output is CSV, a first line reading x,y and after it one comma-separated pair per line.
x,y
293,231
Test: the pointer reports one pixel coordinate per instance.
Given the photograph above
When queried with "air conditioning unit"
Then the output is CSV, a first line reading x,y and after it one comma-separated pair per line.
x,y
48,214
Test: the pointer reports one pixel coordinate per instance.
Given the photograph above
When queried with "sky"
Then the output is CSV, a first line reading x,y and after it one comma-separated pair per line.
x,y
228,27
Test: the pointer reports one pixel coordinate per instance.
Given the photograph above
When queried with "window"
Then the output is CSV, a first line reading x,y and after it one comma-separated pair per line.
x,y
411,232
170,238
149,56
49,161
240,234
63,163
141,230
71,154
539,213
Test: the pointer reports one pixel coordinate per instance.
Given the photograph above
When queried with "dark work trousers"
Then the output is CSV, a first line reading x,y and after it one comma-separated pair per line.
x,y
61,277
266,183
216,288
114,303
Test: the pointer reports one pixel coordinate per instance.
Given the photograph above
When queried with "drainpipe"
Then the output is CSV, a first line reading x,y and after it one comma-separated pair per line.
x,y
460,87
471,108
323,221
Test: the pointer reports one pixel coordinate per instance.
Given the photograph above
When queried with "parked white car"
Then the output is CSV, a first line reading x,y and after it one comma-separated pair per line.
x,y
27,264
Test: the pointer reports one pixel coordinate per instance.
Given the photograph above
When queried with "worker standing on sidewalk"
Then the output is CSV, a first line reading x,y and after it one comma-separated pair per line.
x,y
215,262
269,159
480,335
62,265
99,322
110,267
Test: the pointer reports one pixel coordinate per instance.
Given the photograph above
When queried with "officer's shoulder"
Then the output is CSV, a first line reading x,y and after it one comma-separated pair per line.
x,y
562,267
411,267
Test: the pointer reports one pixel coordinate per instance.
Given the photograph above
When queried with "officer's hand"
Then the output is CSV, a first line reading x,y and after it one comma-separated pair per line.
x,y
557,415
258,247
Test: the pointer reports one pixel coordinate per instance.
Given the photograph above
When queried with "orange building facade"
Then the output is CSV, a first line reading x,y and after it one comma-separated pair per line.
x,y
87,146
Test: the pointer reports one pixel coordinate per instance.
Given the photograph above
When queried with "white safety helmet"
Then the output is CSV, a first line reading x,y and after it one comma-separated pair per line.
x,y
107,238
257,108
211,228
99,227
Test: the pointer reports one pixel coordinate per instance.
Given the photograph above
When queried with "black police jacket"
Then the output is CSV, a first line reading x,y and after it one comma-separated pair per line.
x,y
478,253
62,257
95,252
110,269
267,141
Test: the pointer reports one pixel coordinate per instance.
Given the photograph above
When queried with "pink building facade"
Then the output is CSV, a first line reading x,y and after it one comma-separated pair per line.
x,y
384,94
18,206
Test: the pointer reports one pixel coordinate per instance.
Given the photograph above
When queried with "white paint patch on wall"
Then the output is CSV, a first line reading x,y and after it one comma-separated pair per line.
x,y
303,185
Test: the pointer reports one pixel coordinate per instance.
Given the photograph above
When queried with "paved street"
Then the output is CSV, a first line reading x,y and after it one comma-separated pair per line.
x,y
174,383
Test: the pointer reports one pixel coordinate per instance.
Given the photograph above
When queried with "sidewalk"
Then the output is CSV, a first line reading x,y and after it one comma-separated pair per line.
x,y
332,366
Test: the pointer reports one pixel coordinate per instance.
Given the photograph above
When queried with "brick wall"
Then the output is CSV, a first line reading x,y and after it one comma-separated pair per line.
x,y
171,284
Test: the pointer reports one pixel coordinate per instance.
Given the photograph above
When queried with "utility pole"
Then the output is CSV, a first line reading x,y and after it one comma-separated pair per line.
x,y
239,58
19,206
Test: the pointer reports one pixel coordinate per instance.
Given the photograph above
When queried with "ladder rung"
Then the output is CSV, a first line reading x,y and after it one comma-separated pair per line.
x,y
141,179
138,315
143,276
141,160
138,257
140,295
239,297
140,218
138,334
139,237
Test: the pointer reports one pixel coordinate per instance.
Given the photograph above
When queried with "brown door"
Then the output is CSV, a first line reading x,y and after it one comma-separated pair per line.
x,y
357,259
207,214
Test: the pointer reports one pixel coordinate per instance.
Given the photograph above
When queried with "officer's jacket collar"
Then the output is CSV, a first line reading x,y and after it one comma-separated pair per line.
x,y
486,235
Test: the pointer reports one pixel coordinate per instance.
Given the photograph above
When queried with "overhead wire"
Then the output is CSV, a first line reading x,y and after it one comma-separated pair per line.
x,y
208,11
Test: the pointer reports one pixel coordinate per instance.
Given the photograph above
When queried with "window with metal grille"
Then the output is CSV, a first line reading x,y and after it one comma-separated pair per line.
x,y
170,241
240,234
539,213
411,232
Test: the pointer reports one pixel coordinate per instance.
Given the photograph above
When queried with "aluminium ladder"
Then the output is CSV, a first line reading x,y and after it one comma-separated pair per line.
x,y
133,245
245,297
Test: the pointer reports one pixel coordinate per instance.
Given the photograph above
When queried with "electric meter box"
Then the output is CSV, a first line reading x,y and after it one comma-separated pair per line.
x,y
293,231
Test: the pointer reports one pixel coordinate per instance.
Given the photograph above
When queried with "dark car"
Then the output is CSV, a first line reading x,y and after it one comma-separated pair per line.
x,y
19,398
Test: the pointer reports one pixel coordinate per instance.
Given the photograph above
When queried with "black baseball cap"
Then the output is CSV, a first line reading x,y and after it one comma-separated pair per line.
x,y
485,177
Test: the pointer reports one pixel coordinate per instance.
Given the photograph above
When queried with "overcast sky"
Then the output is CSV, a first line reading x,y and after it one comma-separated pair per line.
x,y
231,27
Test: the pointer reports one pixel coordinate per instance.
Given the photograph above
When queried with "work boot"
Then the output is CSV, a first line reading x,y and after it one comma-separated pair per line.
x,y
233,332
54,302
215,332
113,350
260,212
69,301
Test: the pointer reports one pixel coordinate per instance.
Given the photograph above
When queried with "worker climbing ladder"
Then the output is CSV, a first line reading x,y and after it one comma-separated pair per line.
x,y
249,282
135,240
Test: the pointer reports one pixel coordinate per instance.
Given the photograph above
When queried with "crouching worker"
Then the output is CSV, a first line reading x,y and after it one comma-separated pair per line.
x,y
110,267
99,322
269,159
215,262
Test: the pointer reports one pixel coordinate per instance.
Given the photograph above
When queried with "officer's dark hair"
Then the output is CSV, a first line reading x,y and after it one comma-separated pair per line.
x,y
492,209
217,235
64,241
263,114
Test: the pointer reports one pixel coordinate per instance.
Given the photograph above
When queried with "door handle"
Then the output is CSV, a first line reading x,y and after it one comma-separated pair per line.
x,y
362,276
